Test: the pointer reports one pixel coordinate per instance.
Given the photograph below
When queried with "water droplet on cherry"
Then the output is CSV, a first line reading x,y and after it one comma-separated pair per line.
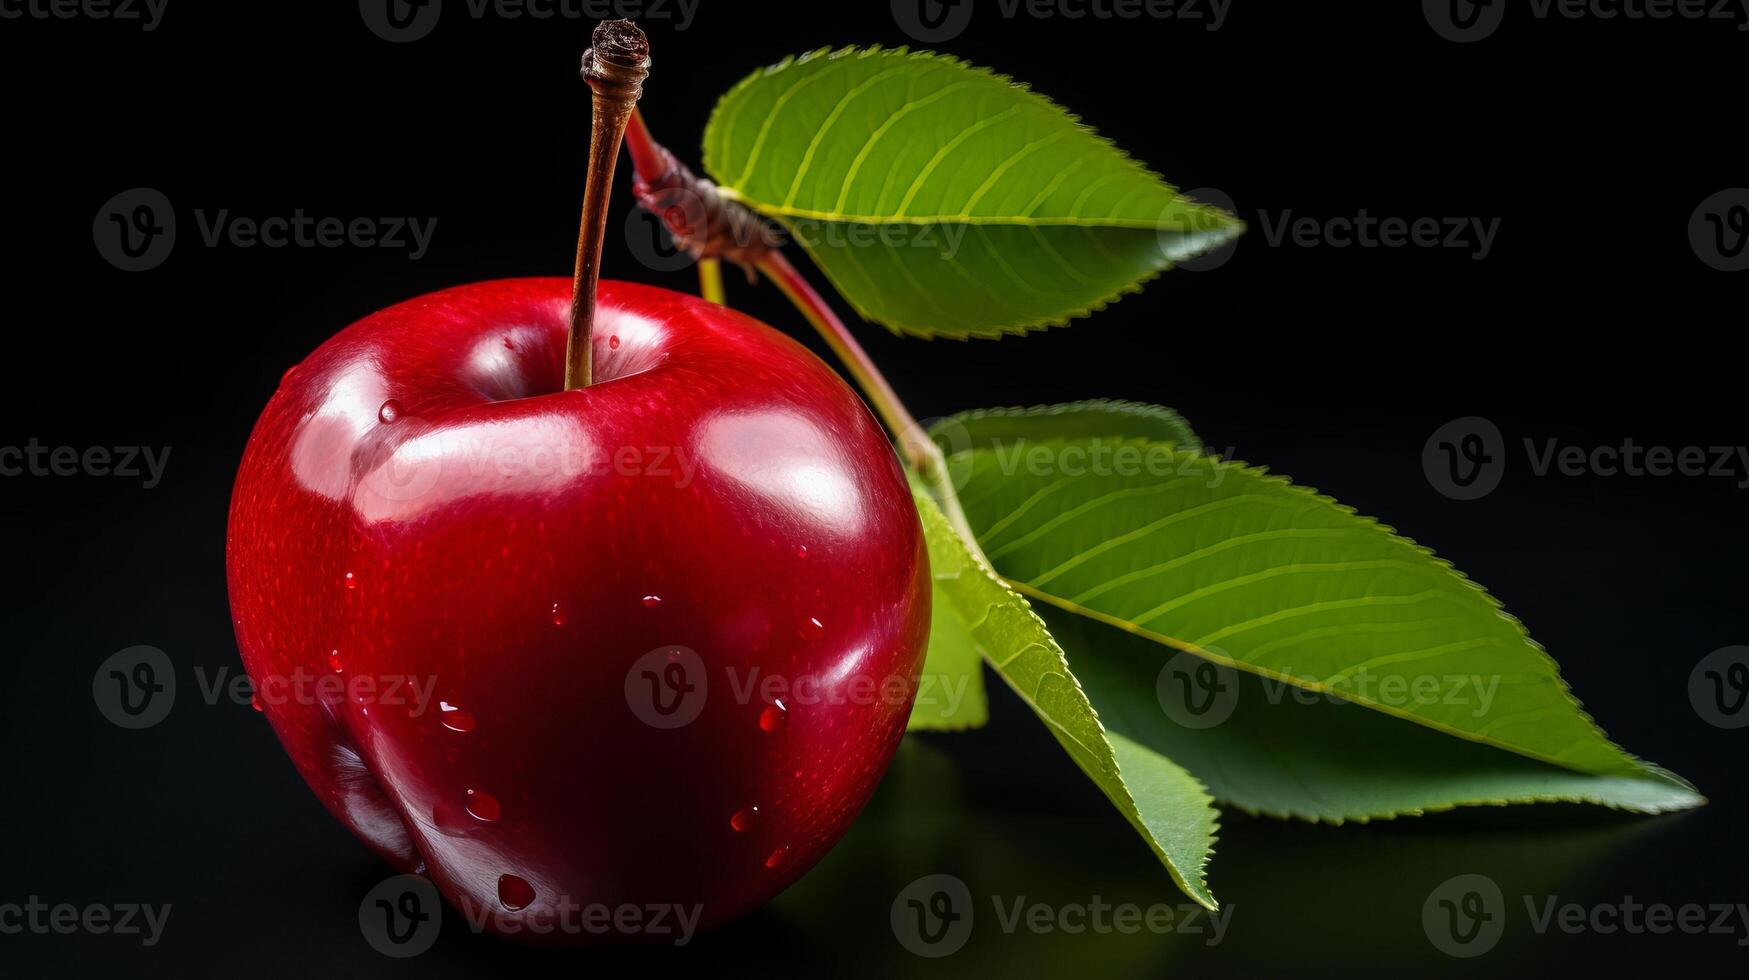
x,y
483,806
812,628
290,373
334,662
613,342
652,601
743,820
774,717
515,892
255,702
801,551
351,580
454,718
559,614
776,857
390,411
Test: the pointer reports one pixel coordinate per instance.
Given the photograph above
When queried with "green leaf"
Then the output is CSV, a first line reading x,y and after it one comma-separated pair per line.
x,y
1245,569
1160,799
1274,749
944,200
950,696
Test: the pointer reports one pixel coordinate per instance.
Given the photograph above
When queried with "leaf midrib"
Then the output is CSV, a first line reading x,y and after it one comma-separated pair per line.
x,y
1627,769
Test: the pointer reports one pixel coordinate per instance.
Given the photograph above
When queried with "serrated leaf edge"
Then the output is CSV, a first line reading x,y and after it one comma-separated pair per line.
x,y
712,165
1200,892
1635,765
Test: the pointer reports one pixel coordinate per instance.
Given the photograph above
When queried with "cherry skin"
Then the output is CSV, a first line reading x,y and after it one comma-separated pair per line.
x,y
648,643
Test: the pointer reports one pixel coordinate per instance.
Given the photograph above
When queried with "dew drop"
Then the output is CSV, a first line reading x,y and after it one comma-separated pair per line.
x,y
812,628
483,806
801,551
509,344
351,580
390,411
255,702
776,857
613,342
515,892
559,614
774,717
652,601
743,820
334,662
290,372
454,717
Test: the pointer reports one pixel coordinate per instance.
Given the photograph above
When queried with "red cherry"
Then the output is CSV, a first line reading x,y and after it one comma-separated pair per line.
x,y
440,551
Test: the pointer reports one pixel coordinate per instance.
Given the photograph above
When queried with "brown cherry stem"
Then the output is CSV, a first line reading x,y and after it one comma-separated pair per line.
x,y
615,67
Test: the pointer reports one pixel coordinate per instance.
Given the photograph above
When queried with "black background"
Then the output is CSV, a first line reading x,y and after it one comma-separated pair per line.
x,y
1591,321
